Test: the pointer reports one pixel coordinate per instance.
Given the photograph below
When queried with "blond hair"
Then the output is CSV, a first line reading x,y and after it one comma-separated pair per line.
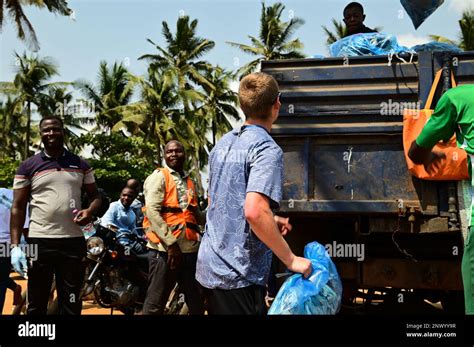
x,y
257,94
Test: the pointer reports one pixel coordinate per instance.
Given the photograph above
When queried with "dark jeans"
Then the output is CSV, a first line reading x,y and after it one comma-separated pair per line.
x,y
161,280
62,258
241,301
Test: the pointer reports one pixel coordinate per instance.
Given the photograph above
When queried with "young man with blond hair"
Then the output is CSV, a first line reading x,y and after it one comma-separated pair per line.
x,y
245,185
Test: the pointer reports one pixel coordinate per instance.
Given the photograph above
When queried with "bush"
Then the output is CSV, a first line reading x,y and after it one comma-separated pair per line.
x,y
8,168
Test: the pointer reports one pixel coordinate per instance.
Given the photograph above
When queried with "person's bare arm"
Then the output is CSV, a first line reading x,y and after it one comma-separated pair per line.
x,y
419,155
430,159
261,220
18,213
85,216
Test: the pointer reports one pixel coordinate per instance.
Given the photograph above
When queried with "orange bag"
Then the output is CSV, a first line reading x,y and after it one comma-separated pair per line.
x,y
455,165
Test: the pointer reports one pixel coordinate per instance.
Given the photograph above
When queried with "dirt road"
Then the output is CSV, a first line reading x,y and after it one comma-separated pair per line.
x,y
88,307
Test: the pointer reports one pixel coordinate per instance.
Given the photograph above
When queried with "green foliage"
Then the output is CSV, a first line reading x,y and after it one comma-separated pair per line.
x,y
340,31
116,158
466,35
8,168
25,30
274,38
181,97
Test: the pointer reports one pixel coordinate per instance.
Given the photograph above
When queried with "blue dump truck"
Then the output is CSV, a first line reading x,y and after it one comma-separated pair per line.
x,y
346,181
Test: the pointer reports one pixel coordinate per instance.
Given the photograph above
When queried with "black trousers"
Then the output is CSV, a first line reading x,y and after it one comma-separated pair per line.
x,y
62,259
161,280
241,301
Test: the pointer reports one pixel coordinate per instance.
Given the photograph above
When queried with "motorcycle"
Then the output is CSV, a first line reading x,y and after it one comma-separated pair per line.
x,y
115,277
118,277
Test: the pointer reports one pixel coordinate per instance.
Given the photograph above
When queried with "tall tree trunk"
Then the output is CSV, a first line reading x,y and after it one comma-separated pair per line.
x,y
28,130
214,130
198,179
158,150
153,132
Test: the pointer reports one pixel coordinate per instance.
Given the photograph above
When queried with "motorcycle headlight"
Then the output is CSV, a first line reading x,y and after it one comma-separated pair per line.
x,y
95,245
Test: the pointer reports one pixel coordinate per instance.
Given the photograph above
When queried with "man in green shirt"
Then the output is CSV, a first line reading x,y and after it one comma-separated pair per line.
x,y
454,113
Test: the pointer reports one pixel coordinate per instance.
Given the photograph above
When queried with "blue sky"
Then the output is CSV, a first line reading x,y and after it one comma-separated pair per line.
x,y
116,30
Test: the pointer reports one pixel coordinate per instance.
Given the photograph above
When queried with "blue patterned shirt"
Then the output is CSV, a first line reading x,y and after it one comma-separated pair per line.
x,y
231,256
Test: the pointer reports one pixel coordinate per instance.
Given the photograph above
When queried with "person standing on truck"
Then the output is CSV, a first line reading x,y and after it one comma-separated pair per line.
x,y
454,113
245,185
52,181
172,216
354,19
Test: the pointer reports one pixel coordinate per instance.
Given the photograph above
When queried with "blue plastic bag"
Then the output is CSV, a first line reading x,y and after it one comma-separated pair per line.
x,y
436,47
366,44
320,293
419,10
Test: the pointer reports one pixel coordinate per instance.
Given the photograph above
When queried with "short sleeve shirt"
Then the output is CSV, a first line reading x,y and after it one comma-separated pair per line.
x,y
55,192
231,256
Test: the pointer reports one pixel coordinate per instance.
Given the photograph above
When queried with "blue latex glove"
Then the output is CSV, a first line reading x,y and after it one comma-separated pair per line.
x,y
19,261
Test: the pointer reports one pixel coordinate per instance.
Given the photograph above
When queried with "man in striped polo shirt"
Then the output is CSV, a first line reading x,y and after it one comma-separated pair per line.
x,y
51,181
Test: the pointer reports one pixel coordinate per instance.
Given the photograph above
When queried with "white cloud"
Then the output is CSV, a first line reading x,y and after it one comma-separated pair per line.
x,y
409,40
460,5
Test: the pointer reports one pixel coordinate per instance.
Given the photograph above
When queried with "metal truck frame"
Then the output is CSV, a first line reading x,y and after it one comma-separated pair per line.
x,y
346,183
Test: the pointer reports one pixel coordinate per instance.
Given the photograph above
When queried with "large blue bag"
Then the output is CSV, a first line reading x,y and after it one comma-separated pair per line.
x,y
366,44
419,10
320,293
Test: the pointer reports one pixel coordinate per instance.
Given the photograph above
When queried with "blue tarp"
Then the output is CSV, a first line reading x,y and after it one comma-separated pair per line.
x,y
382,44
366,44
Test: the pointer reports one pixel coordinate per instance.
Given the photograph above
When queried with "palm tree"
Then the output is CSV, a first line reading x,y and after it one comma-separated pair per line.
x,y
179,60
466,23
12,129
439,38
24,28
273,40
178,65
31,86
112,90
339,32
466,36
220,102
150,117
59,101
